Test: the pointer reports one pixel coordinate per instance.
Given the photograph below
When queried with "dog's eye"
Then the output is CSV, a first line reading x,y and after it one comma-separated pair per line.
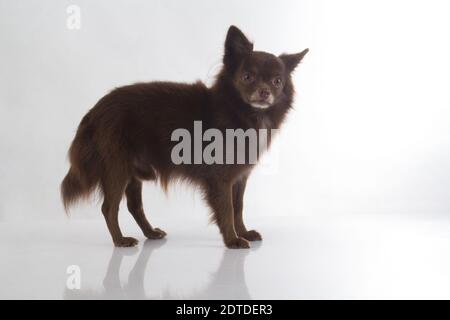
x,y
247,77
277,82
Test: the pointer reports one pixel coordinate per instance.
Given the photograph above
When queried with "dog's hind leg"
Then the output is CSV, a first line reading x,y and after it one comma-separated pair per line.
x,y
113,188
134,204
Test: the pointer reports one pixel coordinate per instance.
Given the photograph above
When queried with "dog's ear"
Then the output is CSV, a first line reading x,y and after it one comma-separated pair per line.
x,y
292,60
236,46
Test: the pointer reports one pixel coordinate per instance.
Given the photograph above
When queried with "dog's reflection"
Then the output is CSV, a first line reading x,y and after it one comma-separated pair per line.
x,y
228,281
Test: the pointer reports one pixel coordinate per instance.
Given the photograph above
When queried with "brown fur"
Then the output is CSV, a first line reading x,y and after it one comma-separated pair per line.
x,y
126,138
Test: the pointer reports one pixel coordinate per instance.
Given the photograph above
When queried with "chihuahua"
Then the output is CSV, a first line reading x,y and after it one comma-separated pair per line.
x,y
128,137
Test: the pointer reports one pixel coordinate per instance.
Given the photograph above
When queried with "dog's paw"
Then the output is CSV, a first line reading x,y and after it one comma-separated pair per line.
x,y
126,242
252,235
156,233
237,243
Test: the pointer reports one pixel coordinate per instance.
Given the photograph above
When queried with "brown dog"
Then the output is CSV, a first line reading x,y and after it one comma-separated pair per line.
x,y
127,137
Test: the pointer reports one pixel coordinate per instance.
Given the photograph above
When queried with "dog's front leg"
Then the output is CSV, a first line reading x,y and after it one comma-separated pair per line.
x,y
219,197
238,206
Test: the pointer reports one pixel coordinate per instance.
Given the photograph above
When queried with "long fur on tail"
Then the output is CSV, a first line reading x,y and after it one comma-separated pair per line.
x,y
84,173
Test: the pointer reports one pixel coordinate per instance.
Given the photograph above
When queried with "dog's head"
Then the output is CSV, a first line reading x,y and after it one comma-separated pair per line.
x,y
259,77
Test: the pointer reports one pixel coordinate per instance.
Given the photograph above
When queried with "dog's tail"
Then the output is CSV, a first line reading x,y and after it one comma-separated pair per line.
x,y
84,173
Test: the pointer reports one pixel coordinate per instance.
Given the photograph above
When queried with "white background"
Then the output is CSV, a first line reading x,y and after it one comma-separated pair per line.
x,y
360,173
370,131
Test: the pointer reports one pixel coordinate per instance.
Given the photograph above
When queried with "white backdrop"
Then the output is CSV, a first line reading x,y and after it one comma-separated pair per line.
x,y
370,131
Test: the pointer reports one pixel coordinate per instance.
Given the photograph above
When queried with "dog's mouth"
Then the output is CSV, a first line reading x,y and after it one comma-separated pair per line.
x,y
256,100
260,104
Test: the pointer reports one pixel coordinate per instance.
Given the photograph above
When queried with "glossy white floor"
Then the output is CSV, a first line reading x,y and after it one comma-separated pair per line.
x,y
304,258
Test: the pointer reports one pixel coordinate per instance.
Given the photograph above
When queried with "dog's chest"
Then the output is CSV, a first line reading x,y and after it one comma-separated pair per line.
x,y
264,123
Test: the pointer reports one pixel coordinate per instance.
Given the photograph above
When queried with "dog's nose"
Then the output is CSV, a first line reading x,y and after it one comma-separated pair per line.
x,y
264,93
